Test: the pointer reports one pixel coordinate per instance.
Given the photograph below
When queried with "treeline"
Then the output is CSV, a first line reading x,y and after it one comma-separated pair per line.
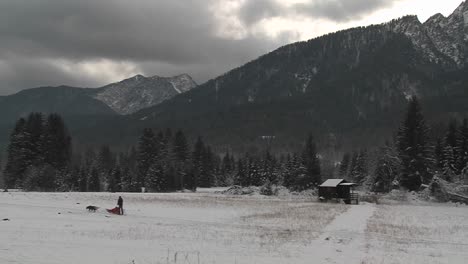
x,y
39,153
40,158
412,158
165,161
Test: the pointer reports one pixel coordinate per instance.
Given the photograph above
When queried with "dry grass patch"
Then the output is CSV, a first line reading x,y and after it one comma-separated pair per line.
x,y
418,234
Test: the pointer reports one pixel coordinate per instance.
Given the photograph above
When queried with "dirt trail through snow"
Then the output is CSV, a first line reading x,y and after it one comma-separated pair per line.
x,y
343,240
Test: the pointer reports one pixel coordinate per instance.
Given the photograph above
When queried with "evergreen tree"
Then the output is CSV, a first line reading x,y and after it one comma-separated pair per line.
x,y
448,168
181,148
208,168
439,155
299,174
115,180
227,170
201,162
387,169
41,178
462,147
83,179
359,170
16,163
181,158
147,152
241,175
344,166
449,152
39,145
106,165
94,182
269,169
157,180
197,163
288,173
57,141
253,172
312,164
413,148
34,139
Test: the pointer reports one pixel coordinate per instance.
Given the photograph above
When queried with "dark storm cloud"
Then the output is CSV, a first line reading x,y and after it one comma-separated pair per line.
x,y
158,29
154,34
26,73
334,10
164,37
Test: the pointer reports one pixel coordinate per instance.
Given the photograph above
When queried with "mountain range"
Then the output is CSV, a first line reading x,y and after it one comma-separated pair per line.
x,y
349,88
121,98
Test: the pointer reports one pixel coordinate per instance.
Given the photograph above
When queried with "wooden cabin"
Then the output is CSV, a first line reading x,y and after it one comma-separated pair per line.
x,y
338,189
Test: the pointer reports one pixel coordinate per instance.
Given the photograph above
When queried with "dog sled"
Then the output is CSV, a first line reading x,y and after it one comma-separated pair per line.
x,y
115,210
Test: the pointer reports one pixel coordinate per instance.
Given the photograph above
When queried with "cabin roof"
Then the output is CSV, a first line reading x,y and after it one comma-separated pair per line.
x,y
332,182
336,182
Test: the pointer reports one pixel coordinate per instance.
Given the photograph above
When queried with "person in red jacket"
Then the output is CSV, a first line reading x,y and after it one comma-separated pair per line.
x,y
120,205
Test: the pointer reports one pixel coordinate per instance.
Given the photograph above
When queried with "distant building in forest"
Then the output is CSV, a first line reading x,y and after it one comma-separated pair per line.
x,y
338,189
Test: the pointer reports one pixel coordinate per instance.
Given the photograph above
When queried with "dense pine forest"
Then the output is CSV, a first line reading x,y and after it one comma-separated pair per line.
x,y
40,158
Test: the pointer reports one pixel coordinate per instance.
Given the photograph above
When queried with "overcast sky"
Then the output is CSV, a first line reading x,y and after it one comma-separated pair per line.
x,y
89,43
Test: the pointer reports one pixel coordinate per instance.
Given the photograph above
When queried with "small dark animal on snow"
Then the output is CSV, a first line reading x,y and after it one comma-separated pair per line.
x,y
92,208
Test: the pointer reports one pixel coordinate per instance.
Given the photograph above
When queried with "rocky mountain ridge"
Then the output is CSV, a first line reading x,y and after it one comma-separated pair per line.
x,y
350,84
442,39
139,92
349,88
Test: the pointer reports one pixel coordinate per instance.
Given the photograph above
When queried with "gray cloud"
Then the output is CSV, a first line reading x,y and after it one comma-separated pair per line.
x,y
255,10
26,73
158,36
53,42
334,10
341,10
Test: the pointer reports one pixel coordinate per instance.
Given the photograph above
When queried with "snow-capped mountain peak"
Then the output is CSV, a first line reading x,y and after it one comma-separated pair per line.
x,y
138,92
441,39
182,83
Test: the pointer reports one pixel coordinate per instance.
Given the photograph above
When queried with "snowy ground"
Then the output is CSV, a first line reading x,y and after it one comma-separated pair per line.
x,y
211,228
418,234
158,228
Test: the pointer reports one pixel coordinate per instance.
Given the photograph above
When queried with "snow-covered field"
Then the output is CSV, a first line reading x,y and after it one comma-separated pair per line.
x,y
158,228
210,228
418,234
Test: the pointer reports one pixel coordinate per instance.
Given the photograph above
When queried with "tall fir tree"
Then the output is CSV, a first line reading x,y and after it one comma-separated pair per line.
x,y
94,181
208,164
253,172
462,147
413,148
288,173
16,163
344,166
181,161
299,174
197,163
34,133
241,174
156,178
57,141
386,170
147,152
359,170
312,164
439,155
449,168
106,165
